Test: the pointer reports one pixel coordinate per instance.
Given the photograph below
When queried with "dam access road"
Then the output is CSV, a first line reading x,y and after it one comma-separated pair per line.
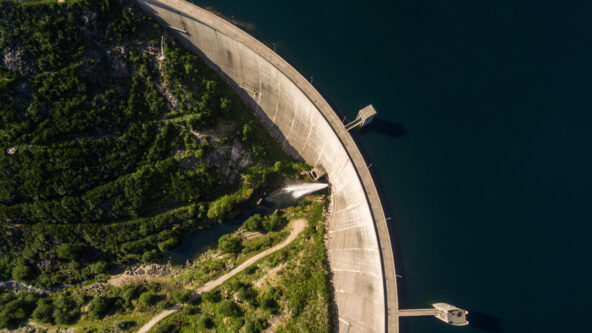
x,y
359,247
297,227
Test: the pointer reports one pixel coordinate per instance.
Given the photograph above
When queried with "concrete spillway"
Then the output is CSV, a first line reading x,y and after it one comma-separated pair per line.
x,y
359,249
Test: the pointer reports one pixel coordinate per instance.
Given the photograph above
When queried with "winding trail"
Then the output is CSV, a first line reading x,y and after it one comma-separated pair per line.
x,y
297,227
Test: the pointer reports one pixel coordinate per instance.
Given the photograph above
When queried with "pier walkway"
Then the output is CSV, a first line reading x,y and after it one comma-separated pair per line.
x,y
417,312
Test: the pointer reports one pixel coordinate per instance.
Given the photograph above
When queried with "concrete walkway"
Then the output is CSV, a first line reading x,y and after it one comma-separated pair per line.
x,y
417,312
297,227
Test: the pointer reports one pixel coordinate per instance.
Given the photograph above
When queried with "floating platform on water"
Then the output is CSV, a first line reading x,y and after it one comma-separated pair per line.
x,y
445,312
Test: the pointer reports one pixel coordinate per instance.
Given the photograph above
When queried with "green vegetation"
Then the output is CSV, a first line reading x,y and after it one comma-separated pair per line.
x,y
90,307
287,291
258,223
229,243
290,281
110,156
232,250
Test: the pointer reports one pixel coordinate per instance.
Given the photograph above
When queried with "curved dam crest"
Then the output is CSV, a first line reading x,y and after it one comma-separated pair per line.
x,y
359,249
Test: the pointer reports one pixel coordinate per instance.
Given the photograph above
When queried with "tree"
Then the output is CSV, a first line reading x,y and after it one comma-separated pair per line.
x,y
229,309
205,323
167,244
151,256
247,293
221,207
70,251
62,316
99,267
179,296
43,312
269,300
254,326
253,223
22,272
191,309
272,222
66,310
147,299
166,328
129,293
99,307
212,296
123,324
15,310
229,243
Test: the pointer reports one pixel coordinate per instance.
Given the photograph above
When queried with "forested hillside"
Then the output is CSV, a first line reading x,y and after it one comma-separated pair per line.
x,y
109,154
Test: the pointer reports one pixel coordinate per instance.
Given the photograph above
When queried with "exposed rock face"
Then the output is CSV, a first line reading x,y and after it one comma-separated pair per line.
x,y
116,56
44,264
26,329
14,59
36,328
151,270
97,288
15,286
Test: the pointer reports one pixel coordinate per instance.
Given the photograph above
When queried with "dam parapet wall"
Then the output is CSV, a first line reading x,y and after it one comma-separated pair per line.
x,y
359,249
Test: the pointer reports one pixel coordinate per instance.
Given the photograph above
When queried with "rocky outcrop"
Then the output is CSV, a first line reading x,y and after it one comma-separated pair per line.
x,y
13,285
15,60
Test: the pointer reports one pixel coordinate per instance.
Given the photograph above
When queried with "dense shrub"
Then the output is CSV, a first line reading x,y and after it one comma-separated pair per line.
x,y
269,300
271,223
191,309
229,309
229,243
99,267
205,322
168,244
251,269
123,324
147,299
66,310
221,207
22,272
99,307
179,296
44,311
70,251
165,328
15,308
129,293
151,256
212,296
253,223
254,326
246,293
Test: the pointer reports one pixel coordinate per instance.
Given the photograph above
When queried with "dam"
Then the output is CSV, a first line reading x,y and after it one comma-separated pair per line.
x,y
359,248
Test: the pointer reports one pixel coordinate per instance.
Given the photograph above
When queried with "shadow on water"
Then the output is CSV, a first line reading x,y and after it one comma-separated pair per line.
x,y
484,322
386,127
390,214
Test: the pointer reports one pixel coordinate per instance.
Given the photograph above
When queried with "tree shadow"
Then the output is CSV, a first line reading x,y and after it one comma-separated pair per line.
x,y
386,127
484,322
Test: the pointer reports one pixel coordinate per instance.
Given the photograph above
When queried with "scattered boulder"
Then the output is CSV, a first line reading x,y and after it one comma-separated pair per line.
x,y
15,60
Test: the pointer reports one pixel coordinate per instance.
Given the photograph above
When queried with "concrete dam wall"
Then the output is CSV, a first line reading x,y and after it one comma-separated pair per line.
x,y
359,248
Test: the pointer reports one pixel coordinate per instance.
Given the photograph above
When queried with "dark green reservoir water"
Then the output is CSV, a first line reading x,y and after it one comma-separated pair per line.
x,y
483,149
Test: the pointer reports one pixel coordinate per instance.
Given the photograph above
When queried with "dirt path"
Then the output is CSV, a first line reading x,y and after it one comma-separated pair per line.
x,y
297,227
